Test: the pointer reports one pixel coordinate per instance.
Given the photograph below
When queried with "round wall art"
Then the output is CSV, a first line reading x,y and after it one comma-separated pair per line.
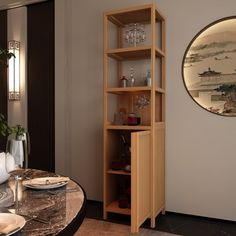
x,y
209,67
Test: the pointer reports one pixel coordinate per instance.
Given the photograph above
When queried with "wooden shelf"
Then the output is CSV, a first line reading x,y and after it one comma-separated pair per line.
x,y
160,90
133,53
133,90
128,90
158,123
114,207
118,172
134,14
128,127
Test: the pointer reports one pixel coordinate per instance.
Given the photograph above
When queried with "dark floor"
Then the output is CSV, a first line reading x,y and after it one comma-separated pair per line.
x,y
172,222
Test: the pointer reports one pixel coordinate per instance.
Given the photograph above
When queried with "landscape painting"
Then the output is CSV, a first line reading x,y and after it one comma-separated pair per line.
x,y
209,67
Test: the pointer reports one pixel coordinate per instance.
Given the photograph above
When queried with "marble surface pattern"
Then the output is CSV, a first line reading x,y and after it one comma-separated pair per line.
x,y
91,227
58,207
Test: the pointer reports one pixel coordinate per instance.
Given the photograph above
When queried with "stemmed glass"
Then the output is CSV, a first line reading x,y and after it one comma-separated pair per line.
x,y
17,166
134,34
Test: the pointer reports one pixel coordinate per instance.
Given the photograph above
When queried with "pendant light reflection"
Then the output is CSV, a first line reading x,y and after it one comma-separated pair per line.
x,y
14,71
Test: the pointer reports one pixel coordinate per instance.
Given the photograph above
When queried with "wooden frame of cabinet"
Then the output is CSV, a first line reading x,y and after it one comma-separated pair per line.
x,y
147,140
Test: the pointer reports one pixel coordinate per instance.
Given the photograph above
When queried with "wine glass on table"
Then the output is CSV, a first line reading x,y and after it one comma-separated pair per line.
x,y
16,163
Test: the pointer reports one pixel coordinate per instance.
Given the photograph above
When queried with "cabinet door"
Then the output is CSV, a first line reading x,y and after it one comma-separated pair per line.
x,y
140,178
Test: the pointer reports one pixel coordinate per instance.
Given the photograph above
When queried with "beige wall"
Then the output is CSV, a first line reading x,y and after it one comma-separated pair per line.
x,y
200,146
79,92
200,150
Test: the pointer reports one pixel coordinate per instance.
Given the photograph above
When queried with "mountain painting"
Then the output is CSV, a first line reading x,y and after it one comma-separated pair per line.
x,y
209,67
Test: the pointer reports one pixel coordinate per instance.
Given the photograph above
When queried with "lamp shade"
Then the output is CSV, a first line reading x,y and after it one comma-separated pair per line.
x,y
14,71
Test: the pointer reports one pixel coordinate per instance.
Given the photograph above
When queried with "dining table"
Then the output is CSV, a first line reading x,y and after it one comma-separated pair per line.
x,y
51,211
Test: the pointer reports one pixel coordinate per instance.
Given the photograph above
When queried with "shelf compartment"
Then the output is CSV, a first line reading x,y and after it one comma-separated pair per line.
x,y
118,172
126,103
114,208
128,127
134,14
133,53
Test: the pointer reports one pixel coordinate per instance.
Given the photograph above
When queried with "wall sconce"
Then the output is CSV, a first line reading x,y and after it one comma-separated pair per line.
x,y
14,71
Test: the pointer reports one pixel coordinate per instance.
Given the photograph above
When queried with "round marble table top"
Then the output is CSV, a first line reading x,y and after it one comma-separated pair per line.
x,y
62,210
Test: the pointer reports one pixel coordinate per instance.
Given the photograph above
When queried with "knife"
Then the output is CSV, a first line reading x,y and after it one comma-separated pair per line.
x,y
35,218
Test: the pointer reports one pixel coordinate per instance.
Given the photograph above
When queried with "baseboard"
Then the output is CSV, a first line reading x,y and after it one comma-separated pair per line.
x,y
176,213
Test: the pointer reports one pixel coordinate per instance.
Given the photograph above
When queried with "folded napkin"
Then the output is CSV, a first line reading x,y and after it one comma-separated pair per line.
x,y
6,229
3,226
6,198
46,181
10,223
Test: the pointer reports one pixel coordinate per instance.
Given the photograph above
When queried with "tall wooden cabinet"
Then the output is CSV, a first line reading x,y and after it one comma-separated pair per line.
x,y
134,113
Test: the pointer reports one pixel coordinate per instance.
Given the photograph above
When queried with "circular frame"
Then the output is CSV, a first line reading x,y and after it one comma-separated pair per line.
x,y
208,72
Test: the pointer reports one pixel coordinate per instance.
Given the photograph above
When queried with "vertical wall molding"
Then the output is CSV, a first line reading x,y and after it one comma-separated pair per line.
x,y
63,52
68,77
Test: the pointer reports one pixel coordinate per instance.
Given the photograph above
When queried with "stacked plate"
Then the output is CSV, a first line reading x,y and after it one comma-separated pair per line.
x,y
10,223
46,182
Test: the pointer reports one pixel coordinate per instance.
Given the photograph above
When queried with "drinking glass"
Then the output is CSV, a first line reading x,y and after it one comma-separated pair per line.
x,y
16,164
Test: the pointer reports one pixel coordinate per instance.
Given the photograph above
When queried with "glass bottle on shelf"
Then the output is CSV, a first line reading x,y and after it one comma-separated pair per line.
x,y
131,77
148,80
123,82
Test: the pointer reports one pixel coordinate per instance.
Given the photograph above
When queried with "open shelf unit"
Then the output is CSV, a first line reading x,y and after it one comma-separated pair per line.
x,y
139,192
133,53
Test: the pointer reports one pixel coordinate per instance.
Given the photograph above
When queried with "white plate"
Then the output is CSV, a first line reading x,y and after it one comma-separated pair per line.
x,y
46,182
11,223
48,186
